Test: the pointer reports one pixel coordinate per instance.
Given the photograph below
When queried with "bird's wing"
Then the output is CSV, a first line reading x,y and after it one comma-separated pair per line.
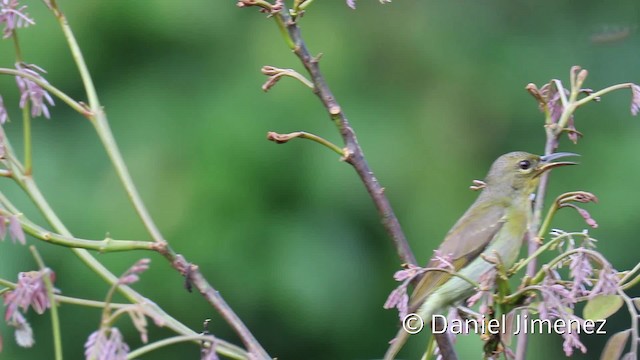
x,y
467,239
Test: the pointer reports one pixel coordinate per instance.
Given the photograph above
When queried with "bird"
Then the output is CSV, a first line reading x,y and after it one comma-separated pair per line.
x,y
494,225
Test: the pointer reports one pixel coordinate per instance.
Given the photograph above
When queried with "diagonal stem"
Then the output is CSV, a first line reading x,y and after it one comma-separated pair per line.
x,y
101,124
353,153
55,318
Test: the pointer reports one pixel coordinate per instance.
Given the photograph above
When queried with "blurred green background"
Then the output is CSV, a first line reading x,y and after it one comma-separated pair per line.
x,y
287,233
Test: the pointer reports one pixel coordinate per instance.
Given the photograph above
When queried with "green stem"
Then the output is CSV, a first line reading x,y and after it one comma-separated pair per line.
x,y
105,245
544,227
353,152
33,191
55,320
453,273
13,165
630,283
630,273
7,284
604,91
282,138
634,321
430,348
111,318
569,105
564,119
105,134
513,298
305,4
99,120
92,95
16,46
296,75
593,254
26,120
322,141
284,32
101,124
26,117
574,104
88,303
107,319
539,251
552,132
222,347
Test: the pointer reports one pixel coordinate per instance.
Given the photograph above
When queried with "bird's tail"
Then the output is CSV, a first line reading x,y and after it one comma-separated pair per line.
x,y
430,307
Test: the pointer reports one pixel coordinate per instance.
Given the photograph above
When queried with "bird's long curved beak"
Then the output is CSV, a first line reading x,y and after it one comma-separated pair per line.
x,y
546,164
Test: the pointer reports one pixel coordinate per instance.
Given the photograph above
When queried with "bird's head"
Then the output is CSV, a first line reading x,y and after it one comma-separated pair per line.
x,y
520,171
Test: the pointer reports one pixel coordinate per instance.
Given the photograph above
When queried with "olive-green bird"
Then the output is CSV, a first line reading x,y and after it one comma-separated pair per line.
x,y
496,223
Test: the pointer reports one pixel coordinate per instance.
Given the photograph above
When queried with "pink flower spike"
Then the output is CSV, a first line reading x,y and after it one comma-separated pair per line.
x,y
131,275
3,112
442,261
635,99
23,332
587,217
15,230
13,16
32,92
101,346
30,291
3,227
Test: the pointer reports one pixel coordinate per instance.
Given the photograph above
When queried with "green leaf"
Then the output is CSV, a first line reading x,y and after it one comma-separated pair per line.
x,y
615,345
601,307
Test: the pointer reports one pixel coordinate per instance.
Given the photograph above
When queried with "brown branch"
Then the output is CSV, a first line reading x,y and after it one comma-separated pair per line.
x,y
101,123
533,244
445,346
194,277
552,138
353,153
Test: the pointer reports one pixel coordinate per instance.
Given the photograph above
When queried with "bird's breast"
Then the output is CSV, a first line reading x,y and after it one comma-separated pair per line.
x,y
515,228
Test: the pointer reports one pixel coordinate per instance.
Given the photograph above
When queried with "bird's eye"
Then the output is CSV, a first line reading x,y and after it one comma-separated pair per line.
x,y
524,164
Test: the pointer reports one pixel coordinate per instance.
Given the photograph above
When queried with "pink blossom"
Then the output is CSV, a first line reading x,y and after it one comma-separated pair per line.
x,y
32,92
106,344
30,291
131,275
13,16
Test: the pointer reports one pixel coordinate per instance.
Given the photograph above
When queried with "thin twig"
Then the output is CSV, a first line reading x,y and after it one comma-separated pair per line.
x,y
445,346
533,244
27,183
215,299
353,153
634,322
99,120
169,341
50,88
283,138
552,135
223,347
103,246
55,319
